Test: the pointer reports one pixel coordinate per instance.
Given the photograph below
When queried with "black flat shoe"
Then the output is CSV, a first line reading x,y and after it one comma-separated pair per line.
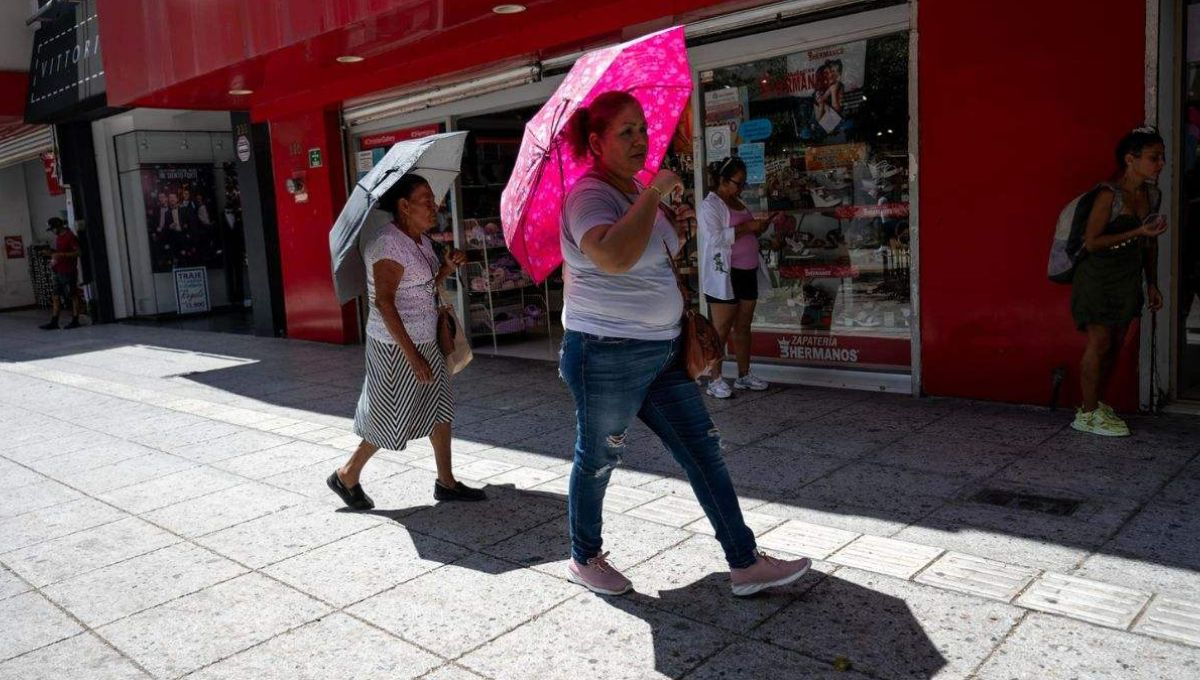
x,y
460,492
354,497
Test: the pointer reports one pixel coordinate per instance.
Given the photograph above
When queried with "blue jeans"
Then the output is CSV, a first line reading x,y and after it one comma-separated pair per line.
x,y
615,379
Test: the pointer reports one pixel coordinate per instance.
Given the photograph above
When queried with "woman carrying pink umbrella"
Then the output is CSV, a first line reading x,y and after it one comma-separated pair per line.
x,y
621,349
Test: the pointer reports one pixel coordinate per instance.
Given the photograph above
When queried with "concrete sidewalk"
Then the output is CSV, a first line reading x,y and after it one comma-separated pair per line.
x,y
166,515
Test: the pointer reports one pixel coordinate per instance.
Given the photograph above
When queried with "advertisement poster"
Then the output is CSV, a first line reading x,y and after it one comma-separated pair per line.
x,y
191,290
754,155
181,216
50,165
14,247
812,73
834,156
717,142
373,147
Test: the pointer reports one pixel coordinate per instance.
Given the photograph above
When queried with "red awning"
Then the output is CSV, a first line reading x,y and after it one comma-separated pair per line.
x,y
192,53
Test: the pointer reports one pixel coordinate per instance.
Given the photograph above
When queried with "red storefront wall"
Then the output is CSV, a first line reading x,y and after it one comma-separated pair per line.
x,y
1021,103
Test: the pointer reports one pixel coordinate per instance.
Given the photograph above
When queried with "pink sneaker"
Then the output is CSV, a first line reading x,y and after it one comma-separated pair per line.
x,y
598,576
767,572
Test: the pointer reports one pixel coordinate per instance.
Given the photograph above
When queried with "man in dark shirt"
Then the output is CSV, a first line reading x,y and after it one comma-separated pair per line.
x,y
64,265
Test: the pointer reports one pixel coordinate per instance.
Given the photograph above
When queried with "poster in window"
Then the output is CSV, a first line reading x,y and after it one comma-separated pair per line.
x,y
181,216
191,290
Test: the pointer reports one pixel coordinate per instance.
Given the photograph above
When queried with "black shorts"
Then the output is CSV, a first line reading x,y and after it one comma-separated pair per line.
x,y
64,285
745,287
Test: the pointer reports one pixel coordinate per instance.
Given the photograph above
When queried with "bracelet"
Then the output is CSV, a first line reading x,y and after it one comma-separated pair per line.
x,y
655,190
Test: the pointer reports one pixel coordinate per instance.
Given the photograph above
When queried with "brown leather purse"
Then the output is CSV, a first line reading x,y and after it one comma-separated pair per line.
x,y
447,326
702,351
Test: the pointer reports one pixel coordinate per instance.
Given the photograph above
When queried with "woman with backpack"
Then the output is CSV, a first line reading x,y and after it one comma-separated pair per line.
x,y
1106,291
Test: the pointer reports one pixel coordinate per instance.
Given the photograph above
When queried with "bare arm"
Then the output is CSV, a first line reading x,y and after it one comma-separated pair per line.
x,y
615,248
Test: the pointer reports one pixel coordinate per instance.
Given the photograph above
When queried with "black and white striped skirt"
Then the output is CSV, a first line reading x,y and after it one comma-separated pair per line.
x,y
394,407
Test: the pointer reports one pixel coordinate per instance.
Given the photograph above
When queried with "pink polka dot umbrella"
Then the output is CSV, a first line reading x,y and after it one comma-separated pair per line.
x,y
655,70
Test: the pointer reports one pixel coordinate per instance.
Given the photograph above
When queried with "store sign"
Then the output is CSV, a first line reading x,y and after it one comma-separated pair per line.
x,y
14,247
383,140
191,290
50,165
830,349
66,74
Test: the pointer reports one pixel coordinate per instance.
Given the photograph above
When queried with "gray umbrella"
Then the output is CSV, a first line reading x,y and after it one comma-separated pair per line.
x,y
437,158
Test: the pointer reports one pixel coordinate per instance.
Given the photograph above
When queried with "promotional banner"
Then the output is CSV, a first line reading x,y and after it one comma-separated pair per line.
x,y
50,166
830,349
181,216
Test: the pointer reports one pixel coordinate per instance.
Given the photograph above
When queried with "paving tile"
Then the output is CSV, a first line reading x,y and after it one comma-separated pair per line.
x,y
885,556
11,584
1164,533
18,475
833,440
482,469
179,438
1056,648
222,509
39,445
887,628
809,540
29,621
280,535
1093,475
364,564
522,477
958,456
194,631
639,641
1092,601
995,545
1143,574
280,459
336,646
428,462
170,489
61,558
475,525
758,523
977,576
81,656
758,660
692,580
475,599
452,672
672,511
231,445
547,547
127,587
517,454
839,516
68,465
1172,619
46,524
555,488
128,472
33,494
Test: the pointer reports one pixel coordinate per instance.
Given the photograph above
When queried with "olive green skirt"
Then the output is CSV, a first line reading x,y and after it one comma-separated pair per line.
x,y
1107,288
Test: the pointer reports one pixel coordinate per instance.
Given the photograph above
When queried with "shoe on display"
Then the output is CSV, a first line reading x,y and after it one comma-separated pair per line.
x,y
767,572
751,382
883,170
720,389
823,199
867,320
598,576
1094,422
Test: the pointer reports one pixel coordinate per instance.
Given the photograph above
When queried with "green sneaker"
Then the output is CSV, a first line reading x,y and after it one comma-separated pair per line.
x,y
1095,422
1110,416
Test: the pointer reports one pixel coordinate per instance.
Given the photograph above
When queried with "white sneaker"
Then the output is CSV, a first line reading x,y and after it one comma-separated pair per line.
x,y
824,199
751,382
720,389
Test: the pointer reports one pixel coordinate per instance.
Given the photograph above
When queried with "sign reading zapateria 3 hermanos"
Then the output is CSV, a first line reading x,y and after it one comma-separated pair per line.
x,y
66,74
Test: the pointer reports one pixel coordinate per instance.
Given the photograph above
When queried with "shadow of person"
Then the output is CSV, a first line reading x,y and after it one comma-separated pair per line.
x,y
478,527
822,626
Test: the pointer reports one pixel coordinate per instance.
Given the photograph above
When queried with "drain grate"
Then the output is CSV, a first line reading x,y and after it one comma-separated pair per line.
x,y
1015,500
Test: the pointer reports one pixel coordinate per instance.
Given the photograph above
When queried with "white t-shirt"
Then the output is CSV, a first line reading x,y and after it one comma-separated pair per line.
x,y
642,303
415,291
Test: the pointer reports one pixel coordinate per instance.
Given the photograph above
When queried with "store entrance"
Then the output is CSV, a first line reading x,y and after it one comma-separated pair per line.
x,y
1188,264
506,313
184,239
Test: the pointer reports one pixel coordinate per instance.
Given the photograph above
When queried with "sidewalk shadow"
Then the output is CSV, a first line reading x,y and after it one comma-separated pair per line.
x,y
833,627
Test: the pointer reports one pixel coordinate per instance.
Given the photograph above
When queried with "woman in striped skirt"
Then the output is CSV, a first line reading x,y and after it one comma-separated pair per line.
x,y
406,393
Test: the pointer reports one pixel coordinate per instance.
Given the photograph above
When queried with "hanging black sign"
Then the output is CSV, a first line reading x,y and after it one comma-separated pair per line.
x,y
66,73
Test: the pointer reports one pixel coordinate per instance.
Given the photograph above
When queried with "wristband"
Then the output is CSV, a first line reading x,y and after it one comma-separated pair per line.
x,y
656,190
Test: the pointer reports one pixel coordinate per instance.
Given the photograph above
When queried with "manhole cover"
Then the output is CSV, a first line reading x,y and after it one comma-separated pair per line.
x,y
1027,501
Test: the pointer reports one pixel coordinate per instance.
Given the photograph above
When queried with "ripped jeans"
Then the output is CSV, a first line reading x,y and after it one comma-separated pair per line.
x,y
615,379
